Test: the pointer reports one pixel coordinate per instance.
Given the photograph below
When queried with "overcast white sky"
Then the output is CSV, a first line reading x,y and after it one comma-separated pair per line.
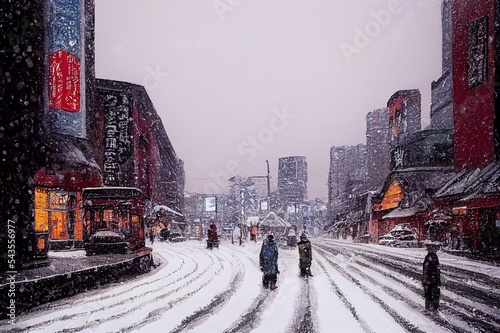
x,y
286,77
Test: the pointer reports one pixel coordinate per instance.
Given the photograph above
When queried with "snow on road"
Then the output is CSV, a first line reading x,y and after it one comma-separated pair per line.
x,y
219,290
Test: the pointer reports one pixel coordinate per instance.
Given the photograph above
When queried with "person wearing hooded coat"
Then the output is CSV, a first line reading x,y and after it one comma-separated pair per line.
x,y
268,260
213,237
305,256
431,278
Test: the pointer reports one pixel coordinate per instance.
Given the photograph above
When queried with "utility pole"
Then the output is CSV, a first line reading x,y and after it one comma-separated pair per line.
x,y
268,189
242,198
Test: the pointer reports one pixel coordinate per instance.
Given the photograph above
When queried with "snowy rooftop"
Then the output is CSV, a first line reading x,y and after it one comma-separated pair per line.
x,y
472,184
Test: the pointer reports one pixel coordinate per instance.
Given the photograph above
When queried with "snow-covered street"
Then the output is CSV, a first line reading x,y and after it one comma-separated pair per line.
x,y
198,290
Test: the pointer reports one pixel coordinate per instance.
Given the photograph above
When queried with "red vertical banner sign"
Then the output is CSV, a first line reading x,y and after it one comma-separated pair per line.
x,y
66,102
64,78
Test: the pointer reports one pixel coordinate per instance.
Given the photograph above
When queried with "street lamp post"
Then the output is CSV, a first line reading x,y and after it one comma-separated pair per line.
x,y
268,189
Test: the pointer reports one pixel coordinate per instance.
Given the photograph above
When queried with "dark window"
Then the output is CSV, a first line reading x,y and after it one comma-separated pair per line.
x,y
477,52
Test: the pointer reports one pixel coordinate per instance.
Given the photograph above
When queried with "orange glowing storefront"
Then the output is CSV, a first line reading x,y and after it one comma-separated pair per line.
x,y
58,195
391,200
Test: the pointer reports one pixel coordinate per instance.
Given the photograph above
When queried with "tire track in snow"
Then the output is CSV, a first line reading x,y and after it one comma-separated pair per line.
x,y
470,315
303,321
218,300
130,300
410,327
344,300
396,316
91,297
463,275
411,303
157,313
251,318
479,318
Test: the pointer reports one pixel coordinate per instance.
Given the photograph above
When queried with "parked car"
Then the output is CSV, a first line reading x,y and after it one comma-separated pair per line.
x,y
387,240
402,235
106,241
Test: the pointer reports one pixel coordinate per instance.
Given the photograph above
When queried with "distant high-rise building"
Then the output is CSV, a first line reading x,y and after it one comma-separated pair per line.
x,y
404,114
292,180
260,186
442,88
377,146
348,172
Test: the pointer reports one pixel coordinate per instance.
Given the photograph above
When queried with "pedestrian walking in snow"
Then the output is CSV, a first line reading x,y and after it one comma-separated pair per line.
x,y
151,236
253,234
269,262
431,277
237,235
213,236
305,256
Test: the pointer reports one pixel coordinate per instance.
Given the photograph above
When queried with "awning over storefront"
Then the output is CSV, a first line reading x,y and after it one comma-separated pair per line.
x,y
474,184
273,220
159,209
72,166
400,212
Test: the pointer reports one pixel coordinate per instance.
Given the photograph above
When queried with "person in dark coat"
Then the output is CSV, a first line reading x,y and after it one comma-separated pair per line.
x,y
431,278
269,262
305,256
213,237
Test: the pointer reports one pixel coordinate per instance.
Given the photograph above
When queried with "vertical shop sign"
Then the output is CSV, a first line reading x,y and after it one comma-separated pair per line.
x,y
117,142
66,67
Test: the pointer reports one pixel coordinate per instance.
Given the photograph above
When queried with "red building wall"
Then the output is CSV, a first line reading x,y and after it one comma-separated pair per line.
x,y
146,159
473,106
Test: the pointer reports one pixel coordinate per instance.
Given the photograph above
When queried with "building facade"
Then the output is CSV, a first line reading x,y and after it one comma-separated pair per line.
x,y
292,181
442,88
404,115
377,146
476,101
348,171
47,92
472,196
131,144
22,138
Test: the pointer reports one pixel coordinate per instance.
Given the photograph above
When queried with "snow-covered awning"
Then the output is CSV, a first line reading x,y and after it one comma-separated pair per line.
x,y
472,184
273,220
165,209
398,212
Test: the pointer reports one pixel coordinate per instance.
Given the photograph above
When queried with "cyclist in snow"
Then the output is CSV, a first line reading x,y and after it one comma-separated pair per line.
x,y
269,262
